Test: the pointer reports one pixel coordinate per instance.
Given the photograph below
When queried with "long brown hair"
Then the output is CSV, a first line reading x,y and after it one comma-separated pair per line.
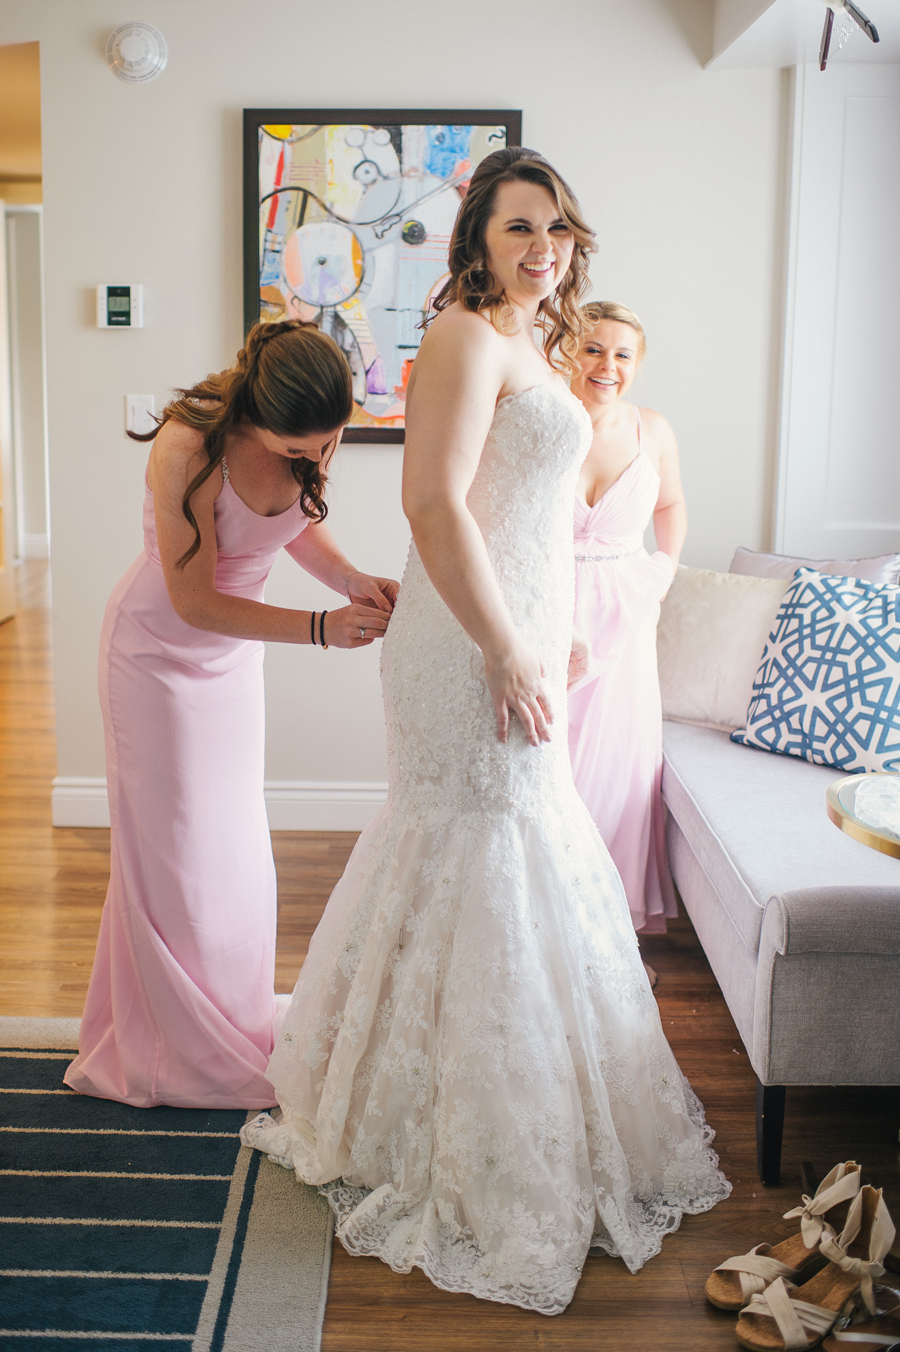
x,y
471,282
289,378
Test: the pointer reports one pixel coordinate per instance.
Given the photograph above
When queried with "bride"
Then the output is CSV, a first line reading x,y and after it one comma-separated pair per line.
x,y
473,1064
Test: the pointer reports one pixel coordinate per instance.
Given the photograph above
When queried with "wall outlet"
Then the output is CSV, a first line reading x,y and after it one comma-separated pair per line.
x,y
139,409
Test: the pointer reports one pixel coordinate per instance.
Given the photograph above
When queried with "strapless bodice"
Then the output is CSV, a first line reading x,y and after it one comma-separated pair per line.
x,y
521,492
433,673
537,439
247,543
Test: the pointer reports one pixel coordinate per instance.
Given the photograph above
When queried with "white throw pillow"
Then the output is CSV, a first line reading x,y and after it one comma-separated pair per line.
x,y
879,568
713,628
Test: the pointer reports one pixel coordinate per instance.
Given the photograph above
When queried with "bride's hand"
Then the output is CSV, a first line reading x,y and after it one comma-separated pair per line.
x,y
366,590
354,626
516,682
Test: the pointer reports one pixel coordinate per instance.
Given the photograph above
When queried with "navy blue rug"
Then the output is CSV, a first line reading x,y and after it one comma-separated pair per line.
x,y
124,1228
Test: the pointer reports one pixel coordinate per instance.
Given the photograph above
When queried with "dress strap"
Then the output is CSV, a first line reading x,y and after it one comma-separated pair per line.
x,y
225,468
638,412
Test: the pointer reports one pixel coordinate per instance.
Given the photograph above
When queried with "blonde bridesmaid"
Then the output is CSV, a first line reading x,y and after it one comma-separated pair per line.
x,y
629,478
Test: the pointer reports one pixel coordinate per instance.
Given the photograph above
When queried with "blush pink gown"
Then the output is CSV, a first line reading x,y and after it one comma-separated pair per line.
x,y
615,716
181,1005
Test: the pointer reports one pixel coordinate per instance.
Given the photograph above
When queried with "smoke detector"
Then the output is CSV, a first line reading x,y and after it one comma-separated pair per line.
x,y
136,52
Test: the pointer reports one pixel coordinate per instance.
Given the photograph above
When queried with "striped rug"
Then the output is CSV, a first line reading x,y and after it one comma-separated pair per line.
x,y
125,1229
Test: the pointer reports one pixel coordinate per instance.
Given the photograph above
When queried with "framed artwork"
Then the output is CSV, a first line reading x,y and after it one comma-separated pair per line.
x,y
347,222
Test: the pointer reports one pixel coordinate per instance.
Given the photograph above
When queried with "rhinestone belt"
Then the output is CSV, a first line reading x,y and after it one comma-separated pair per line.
x,y
607,558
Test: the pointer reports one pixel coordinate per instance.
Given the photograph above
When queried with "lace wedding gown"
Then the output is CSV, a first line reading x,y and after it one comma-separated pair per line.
x,y
473,1064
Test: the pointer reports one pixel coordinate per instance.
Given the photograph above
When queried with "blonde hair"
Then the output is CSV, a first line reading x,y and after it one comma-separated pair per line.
x,y
595,310
471,283
288,378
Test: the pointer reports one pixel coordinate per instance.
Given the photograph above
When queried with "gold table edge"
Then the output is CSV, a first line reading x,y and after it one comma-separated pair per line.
x,y
838,814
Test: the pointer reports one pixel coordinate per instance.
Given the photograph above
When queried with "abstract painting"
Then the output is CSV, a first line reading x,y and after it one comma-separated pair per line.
x,y
347,222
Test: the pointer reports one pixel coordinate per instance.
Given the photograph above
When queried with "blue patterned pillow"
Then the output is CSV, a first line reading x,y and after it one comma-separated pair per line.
x,y
828,684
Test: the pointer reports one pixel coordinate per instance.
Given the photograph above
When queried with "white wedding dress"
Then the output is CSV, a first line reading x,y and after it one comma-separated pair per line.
x,y
473,1062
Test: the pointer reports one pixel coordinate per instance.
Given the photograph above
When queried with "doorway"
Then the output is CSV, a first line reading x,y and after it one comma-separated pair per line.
x,y
24,506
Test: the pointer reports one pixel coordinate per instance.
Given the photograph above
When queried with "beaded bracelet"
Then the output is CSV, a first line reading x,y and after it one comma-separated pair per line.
x,y
322,628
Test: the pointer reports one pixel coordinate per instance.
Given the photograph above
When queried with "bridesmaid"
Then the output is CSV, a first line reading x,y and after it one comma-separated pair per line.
x,y
181,1005
615,719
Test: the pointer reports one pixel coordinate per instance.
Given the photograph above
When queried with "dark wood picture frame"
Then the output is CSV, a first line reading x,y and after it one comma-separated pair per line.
x,y
354,239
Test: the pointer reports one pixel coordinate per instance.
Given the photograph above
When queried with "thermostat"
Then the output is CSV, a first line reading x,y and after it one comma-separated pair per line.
x,y
120,307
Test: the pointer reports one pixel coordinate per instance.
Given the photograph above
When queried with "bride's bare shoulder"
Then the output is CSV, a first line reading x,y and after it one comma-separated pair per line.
x,y
460,349
457,327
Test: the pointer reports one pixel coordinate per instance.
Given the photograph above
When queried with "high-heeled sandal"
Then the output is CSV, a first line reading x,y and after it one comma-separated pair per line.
x,y
792,1319
880,1333
797,1258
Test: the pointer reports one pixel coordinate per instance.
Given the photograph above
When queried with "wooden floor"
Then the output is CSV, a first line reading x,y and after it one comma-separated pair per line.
x,y
53,884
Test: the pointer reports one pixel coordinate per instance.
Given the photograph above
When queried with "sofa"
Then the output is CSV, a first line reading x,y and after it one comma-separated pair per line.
x,y
800,923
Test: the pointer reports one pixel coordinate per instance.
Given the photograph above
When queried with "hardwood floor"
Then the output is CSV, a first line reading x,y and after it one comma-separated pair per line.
x,y
53,884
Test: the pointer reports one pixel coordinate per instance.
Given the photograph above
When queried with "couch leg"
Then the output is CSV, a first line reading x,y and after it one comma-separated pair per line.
x,y
769,1126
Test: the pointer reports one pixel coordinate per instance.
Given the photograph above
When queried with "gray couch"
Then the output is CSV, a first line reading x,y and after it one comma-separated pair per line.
x,y
801,924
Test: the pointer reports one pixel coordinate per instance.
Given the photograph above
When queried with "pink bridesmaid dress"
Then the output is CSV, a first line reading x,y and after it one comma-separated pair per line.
x,y
615,715
181,1005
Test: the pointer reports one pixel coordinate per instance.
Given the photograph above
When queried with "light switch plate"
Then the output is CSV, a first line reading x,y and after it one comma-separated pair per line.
x,y
138,412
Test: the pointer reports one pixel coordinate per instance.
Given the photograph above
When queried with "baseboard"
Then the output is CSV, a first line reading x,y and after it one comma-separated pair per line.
x,y
79,801
322,805
293,805
35,546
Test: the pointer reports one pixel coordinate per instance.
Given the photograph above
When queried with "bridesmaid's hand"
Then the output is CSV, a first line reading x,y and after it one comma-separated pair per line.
x,y
516,682
669,567
366,590
579,661
354,626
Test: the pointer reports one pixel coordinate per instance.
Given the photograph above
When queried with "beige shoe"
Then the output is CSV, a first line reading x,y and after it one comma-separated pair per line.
x,y
797,1258
792,1319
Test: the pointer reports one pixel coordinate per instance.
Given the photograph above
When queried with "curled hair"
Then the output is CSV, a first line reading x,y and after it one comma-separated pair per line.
x,y
289,378
595,310
471,283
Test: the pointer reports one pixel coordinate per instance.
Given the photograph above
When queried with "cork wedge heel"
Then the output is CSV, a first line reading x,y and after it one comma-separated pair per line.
x,y
797,1258
785,1318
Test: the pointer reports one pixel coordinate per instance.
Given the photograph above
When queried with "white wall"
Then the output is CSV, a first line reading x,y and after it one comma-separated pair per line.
x,y
680,171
